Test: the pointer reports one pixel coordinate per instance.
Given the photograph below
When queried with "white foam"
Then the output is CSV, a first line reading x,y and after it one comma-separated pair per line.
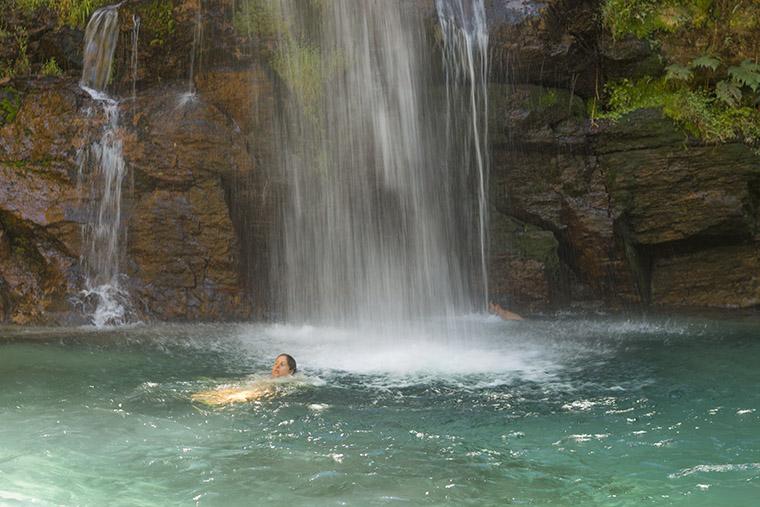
x,y
362,351
728,467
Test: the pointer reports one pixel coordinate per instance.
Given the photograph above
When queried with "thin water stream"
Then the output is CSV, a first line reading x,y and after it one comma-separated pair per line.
x,y
104,298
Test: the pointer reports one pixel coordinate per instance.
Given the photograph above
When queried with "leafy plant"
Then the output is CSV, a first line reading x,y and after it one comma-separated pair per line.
x,y
703,114
10,101
21,66
705,62
728,92
158,21
258,18
747,74
704,87
678,72
302,65
51,68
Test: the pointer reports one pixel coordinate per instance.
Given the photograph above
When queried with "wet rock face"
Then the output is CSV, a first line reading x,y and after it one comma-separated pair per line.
x,y
717,277
183,251
172,138
642,214
524,267
561,44
41,210
182,254
671,192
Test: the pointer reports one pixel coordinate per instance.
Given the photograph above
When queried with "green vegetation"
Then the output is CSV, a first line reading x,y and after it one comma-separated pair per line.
x,y
21,16
158,20
20,65
73,13
10,102
300,63
258,18
547,99
50,68
702,111
711,84
300,66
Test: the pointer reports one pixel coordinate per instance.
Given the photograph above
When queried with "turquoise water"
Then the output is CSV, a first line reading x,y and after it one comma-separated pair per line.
x,y
561,412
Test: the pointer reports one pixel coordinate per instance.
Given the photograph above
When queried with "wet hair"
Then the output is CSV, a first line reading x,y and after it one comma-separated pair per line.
x,y
291,362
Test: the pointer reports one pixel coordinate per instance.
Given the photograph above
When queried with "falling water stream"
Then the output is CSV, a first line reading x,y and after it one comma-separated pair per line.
x,y
378,227
465,62
133,57
102,171
195,49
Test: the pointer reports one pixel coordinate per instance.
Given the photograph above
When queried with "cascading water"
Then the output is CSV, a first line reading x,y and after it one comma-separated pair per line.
x,y
102,171
197,35
465,63
377,229
100,38
189,96
133,57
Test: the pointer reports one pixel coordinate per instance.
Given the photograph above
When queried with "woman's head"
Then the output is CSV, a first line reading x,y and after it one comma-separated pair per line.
x,y
284,365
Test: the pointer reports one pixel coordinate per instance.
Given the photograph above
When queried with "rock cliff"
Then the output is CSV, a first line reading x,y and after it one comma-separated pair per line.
x,y
584,213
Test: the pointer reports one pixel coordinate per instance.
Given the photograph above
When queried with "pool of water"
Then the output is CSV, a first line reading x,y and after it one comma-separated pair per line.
x,y
563,412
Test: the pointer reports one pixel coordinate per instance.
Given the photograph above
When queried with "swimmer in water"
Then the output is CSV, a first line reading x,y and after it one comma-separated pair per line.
x,y
503,313
284,366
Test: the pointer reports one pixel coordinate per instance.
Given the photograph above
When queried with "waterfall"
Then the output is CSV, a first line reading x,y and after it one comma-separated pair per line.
x,y
465,63
100,39
376,228
101,173
133,58
194,50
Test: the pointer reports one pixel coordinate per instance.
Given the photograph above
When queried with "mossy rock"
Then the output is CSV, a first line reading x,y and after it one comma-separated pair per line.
x,y
533,111
515,238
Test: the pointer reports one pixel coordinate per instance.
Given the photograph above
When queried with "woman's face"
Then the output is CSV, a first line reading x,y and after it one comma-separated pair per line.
x,y
280,368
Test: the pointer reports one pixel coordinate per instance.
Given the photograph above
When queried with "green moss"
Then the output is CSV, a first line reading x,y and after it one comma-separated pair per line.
x,y
258,18
699,111
10,102
547,99
710,86
301,64
518,239
157,18
302,68
637,17
262,20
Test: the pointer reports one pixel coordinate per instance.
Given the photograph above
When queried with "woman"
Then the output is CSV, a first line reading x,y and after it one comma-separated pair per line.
x,y
284,366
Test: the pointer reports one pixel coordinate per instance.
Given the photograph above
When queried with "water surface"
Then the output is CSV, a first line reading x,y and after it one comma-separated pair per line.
x,y
561,412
